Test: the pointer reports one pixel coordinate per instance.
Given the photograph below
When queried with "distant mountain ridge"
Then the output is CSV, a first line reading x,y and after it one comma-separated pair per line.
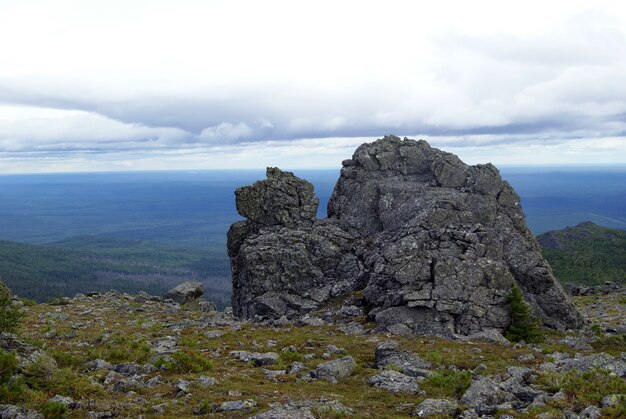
x,y
586,253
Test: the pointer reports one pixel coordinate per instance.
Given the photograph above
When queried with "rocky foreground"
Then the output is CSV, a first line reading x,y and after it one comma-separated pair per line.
x,y
117,355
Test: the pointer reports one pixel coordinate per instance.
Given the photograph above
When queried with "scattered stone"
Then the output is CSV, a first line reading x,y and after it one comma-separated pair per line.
x,y
154,381
212,334
206,381
257,358
491,336
159,409
350,311
164,345
333,370
295,368
236,406
388,355
591,412
98,364
436,407
577,343
395,382
272,375
185,292
594,361
607,288
182,387
352,328
65,401
125,385
613,400
484,395
9,411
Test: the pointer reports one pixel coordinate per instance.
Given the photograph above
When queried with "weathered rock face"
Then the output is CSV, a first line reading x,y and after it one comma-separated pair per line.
x,y
435,244
283,260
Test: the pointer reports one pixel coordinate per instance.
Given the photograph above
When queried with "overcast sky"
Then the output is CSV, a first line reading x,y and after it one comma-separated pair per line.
x,y
133,85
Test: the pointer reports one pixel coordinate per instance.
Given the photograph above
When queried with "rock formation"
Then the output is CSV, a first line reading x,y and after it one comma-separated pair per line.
x,y
434,244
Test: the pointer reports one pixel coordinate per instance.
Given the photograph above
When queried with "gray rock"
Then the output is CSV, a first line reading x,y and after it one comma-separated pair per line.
x,y
388,355
236,406
154,381
305,409
26,354
435,245
185,292
333,370
591,412
350,311
436,407
484,395
594,361
613,400
491,336
257,358
100,415
159,409
98,364
295,368
212,334
125,385
352,328
206,381
64,400
577,343
182,387
129,369
395,382
286,412
8,411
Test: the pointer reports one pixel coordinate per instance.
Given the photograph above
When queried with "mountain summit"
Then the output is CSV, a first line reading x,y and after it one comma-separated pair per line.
x,y
424,242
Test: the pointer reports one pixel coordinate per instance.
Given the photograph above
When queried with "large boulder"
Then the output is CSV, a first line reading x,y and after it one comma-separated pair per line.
x,y
285,262
186,292
435,245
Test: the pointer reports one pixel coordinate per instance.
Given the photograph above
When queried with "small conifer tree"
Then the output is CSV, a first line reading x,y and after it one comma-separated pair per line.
x,y
10,315
523,326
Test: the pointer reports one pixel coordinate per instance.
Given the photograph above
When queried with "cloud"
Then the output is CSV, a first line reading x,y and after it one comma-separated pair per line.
x,y
537,74
46,129
226,133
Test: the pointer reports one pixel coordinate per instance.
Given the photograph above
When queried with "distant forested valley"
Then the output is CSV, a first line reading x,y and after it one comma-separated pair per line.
x,y
67,233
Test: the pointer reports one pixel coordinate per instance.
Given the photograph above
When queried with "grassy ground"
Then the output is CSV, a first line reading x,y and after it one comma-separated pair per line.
x,y
121,331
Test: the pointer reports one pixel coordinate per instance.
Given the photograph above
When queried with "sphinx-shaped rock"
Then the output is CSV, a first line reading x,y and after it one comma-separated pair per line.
x,y
435,244
284,262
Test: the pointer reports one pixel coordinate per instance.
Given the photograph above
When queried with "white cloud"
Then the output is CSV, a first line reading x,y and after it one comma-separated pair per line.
x,y
106,77
38,129
225,133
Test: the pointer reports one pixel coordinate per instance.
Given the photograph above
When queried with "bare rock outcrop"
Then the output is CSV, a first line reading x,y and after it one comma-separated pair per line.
x,y
435,244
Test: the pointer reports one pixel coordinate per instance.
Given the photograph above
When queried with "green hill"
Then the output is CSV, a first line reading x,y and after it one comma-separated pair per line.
x,y
94,263
586,254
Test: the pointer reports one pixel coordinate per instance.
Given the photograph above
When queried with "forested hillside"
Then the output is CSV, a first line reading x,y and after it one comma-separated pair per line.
x,y
586,253
41,272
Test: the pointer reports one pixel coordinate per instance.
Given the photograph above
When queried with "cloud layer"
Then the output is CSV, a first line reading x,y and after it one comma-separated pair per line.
x,y
165,85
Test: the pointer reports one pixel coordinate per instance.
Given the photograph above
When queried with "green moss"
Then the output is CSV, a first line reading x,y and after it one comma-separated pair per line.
x,y
187,361
54,410
446,383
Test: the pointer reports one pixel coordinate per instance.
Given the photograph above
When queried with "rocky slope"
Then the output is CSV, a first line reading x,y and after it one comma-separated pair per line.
x,y
110,354
434,244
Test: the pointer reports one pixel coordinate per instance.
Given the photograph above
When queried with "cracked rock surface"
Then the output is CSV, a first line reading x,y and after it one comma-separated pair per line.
x,y
435,245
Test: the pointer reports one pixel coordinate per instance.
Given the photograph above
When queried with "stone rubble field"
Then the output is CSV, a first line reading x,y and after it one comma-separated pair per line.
x,y
117,355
